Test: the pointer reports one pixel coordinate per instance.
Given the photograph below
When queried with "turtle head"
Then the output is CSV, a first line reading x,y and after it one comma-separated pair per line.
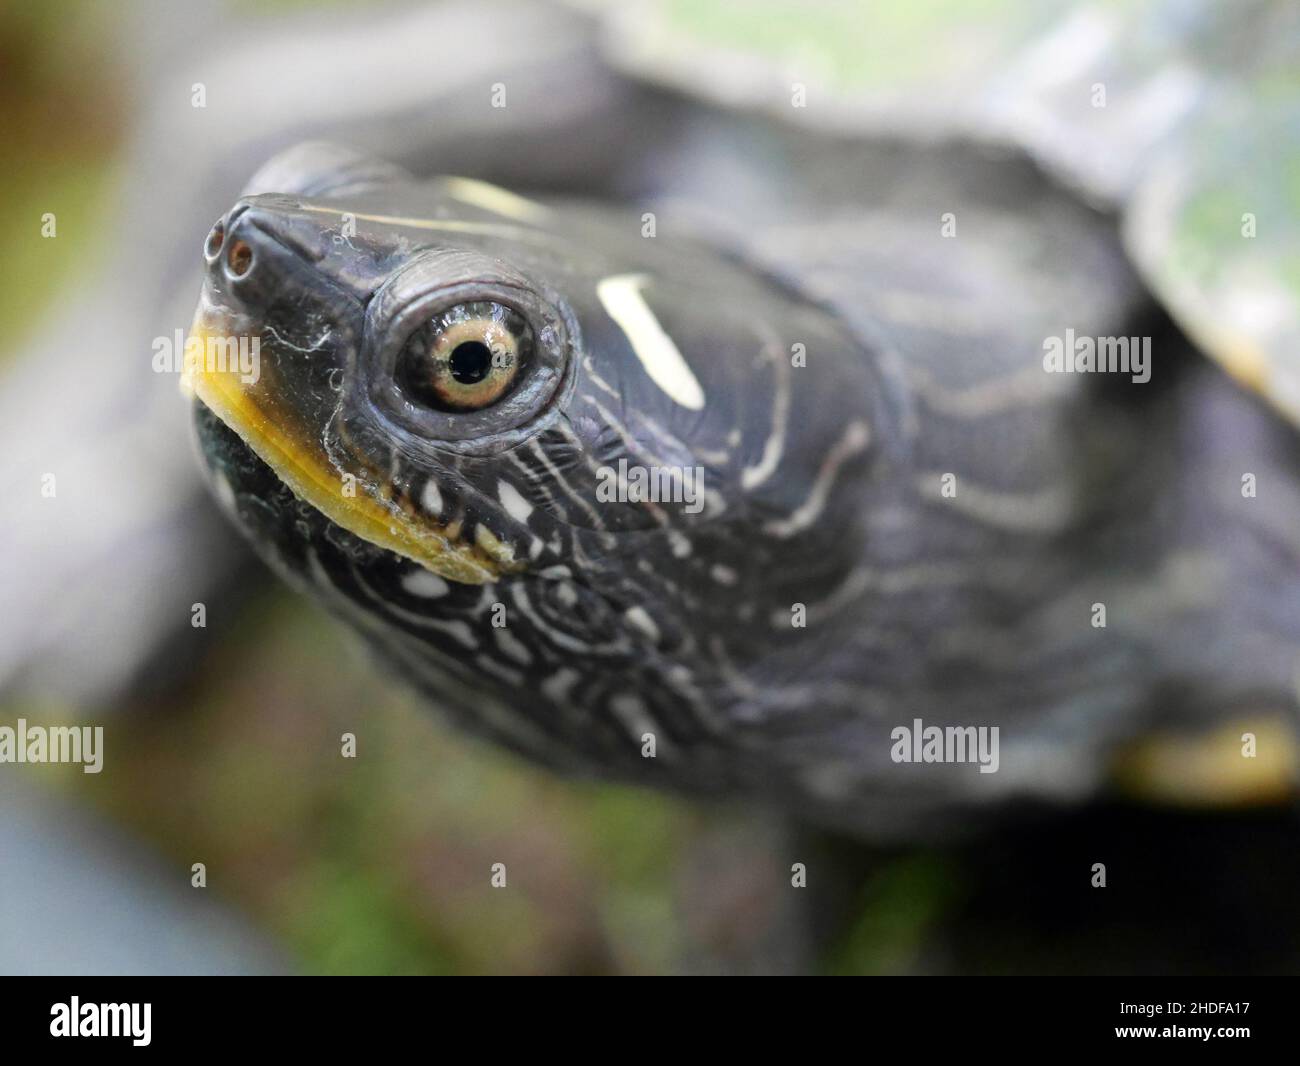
x,y
380,376
456,388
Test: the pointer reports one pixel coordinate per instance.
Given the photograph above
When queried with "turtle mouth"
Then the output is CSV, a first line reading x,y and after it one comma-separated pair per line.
x,y
285,421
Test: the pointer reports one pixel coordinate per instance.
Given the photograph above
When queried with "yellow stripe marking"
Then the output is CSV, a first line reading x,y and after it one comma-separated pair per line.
x,y
623,301
492,229
497,200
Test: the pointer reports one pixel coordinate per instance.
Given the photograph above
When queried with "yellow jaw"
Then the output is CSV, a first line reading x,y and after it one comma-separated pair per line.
x,y
274,431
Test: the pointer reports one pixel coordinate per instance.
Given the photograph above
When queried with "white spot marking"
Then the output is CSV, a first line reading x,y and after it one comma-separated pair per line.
x,y
556,688
640,617
424,583
431,498
723,575
516,506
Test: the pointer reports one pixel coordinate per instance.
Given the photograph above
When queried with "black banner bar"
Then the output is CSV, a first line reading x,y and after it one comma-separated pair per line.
x,y
147,1015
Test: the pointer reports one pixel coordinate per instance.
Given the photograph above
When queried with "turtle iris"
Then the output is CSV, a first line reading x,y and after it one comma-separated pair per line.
x,y
466,357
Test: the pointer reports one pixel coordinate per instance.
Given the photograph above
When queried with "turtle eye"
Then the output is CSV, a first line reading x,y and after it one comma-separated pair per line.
x,y
466,357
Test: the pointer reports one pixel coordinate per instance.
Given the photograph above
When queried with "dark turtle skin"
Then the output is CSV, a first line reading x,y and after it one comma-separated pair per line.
x,y
445,492
620,618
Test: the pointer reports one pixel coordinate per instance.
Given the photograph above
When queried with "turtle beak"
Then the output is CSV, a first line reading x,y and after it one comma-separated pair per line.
x,y
260,299
268,353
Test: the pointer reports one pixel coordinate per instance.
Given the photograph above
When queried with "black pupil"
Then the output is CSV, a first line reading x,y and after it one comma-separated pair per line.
x,y
470,362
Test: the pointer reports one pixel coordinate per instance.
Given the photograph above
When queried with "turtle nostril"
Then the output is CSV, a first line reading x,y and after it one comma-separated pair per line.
x,y
216,237
239,258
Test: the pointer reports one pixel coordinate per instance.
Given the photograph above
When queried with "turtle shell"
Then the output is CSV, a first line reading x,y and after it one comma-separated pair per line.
x,y
1181,117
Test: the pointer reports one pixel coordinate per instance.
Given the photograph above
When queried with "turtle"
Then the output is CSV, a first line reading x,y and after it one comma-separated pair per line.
x,y
792,501
837,213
